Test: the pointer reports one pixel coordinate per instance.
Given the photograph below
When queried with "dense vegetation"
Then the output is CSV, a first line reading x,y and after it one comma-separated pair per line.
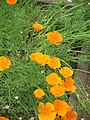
x,y
18,40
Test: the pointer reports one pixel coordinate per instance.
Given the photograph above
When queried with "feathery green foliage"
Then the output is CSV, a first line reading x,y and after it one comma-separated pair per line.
x,y
18,40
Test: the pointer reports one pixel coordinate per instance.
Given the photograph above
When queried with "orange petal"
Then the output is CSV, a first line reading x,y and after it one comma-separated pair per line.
x,y
39,93
54,37
57,90
3,118
68,112
51,116
53,79
42,116
71,88
49,107
62,83
45,59
38,57
46,111
32,57
61,107
40,107
37,27
69,81
11,2
4,63
72,116
54,63
8,63
66,72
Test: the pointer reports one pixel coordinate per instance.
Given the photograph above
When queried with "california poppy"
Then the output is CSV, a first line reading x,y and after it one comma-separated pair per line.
x,y
66,72
39,93
57,90
54,37
3,118
37,27
68,84
39,58
54,62
33,56
46,111
11,2
4,63
42,59
70,115
53,79
61,107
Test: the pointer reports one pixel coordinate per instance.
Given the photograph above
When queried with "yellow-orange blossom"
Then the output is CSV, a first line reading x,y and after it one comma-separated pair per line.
x,y
11,2
39,93
46,112
4,63
3,118
37,27
54,37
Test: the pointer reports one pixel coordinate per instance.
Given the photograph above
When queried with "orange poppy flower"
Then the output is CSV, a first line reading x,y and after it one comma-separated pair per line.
x,y
33,56
39,58
68,84
4,63
70,115
66,72
54,37
11,2
39,93
54,62
42,59
3,118
53,79
57,90
46,111
37,27
61,107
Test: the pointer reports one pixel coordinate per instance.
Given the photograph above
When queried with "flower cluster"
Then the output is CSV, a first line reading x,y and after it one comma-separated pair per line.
x,y
44,59
59,86
59,110
53,37
39,58
60,83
